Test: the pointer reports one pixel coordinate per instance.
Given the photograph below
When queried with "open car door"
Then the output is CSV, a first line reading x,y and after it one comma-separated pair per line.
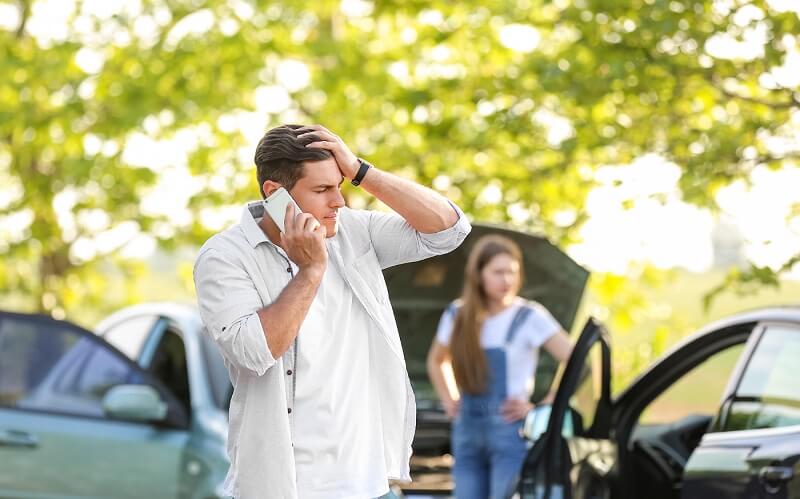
x,y
577,465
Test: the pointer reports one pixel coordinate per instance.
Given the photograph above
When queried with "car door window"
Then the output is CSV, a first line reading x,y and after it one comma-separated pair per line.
x,y
169,366
585,400
51,366
26,356
129,335
768,395
697,392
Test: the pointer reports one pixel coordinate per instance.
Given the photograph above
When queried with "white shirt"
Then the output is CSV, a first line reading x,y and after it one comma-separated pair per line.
x,y
238,272
522,354
338,444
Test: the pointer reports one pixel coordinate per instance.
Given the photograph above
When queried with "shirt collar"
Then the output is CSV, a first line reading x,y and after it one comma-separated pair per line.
x,y
253,211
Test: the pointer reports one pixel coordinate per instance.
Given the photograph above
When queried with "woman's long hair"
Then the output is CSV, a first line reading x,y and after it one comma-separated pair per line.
x,y
469,361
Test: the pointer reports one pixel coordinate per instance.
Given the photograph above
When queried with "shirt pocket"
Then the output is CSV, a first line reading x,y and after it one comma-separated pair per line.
x,y
365,272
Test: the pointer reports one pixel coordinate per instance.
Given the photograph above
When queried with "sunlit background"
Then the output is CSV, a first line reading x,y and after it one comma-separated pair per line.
x,y
655,142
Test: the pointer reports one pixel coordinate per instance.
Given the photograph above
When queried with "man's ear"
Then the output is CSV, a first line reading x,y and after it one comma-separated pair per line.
x,y
269,187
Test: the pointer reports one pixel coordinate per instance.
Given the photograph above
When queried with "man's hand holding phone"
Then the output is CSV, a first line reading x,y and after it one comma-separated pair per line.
x,y
304,240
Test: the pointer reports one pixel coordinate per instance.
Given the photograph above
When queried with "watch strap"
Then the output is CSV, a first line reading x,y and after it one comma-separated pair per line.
x,y
362,171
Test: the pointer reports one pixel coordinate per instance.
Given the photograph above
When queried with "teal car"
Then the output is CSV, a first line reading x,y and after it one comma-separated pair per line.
x,y
136,409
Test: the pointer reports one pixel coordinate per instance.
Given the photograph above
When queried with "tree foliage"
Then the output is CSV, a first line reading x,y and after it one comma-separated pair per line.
x,y
508,107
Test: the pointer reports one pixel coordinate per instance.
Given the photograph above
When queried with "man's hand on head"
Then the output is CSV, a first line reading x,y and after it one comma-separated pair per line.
x,y
347,161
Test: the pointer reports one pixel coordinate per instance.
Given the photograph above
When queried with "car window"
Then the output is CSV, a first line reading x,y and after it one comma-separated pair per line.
x,y
768,395
169,366
91,371
697,392
584,401
52,366
130,335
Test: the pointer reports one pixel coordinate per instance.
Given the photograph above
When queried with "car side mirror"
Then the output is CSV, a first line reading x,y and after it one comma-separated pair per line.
x,y
134,403
537,419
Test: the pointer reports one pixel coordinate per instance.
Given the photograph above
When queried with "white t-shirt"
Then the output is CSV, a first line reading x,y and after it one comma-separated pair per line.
x,y
522,354
338,443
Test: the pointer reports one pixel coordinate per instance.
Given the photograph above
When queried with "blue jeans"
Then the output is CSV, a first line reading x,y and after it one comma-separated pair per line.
x,y
488,455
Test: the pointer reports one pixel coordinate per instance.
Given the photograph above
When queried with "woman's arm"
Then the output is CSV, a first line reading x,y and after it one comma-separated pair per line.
x,y
440,373
560,347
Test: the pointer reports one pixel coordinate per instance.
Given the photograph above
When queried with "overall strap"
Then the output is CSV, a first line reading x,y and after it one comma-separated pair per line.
x,y
519,319
451,310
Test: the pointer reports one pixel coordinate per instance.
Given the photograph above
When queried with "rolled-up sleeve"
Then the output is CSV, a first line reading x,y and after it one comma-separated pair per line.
x,y
229,305
396,241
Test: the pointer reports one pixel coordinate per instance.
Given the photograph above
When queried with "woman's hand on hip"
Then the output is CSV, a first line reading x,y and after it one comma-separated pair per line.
x,y
515,409
451,408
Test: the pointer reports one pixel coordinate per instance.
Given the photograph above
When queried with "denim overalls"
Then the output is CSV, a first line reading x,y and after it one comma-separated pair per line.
x,y
488,451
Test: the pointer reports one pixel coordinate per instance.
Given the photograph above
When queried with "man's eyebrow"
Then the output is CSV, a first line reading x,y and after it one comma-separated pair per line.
x,y
319,186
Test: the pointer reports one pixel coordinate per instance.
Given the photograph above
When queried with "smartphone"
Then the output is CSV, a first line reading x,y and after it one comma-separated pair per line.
x,y
275,205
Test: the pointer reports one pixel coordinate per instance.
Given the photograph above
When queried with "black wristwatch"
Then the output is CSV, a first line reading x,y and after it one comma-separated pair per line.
x,y
362,170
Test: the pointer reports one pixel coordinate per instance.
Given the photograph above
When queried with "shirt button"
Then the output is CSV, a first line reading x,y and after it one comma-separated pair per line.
x,y
290,410
289,270
289,372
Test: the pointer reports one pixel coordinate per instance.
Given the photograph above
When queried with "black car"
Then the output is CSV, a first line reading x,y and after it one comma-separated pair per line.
x,y
716,417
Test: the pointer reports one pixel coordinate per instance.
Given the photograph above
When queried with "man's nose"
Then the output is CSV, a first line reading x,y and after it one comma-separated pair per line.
x,y
338,199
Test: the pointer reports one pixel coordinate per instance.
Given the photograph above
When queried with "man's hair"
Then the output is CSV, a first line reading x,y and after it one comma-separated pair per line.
x,y
280,155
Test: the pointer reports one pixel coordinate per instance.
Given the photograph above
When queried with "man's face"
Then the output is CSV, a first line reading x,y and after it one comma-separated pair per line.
x,y
318,192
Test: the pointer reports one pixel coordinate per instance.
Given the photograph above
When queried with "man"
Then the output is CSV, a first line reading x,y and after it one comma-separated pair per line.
x,y
322,407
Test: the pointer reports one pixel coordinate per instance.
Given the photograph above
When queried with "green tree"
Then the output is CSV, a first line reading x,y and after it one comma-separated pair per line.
x,y
486,101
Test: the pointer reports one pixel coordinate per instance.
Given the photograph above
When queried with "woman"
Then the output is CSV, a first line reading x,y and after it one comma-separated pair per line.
x,y
491,338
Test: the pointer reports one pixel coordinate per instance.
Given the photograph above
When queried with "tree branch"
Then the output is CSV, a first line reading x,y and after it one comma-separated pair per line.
x,y
716,83
24,13
767,158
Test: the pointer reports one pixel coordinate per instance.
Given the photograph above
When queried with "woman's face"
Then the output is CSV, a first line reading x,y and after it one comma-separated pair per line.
x,y
500,277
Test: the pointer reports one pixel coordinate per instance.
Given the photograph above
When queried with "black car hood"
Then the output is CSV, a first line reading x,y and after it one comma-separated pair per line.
x,y
420,291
